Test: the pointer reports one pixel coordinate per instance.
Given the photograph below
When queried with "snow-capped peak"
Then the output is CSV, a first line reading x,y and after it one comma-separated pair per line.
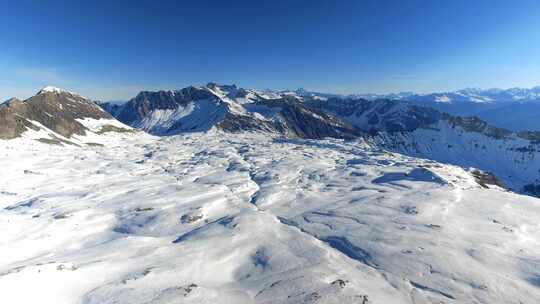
x,y
51,89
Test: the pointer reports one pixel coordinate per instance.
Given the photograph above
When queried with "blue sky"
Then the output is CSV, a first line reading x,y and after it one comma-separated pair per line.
x,y
113,49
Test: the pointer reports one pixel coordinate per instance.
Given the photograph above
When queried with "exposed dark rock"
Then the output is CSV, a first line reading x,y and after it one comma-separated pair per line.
x,y
111,128
206,108
61,216
145,102
55,140
475,124
56,110
339,282
362,299
188,289
486,178
239,123
91,144
298,120
412,210
49,141
190,218
378,115
111,107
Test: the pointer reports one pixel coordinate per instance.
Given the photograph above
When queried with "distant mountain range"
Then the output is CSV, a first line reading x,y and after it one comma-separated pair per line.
x,y
515,109
410,128
229,108
469,95
417,128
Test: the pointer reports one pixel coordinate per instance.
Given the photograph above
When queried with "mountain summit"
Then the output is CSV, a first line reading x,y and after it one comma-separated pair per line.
x,y
51,89
56,113
395,125
228,108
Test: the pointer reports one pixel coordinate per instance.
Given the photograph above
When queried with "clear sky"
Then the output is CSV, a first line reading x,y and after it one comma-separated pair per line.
x,y
110,50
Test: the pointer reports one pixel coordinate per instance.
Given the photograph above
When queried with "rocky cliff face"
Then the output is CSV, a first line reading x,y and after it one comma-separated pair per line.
x,y
378,115
294,118
230,109
52,108
147,102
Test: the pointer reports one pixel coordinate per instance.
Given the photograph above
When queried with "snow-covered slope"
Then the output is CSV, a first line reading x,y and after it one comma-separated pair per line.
x,y
397,125
249,212
247,218
513,159
423,132
229,108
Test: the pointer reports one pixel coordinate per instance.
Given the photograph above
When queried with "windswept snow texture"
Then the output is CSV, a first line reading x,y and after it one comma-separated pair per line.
x,y
512,159
246,218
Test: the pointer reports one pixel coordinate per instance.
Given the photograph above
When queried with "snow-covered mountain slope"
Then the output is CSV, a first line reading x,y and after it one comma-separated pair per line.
x,y
56,116
513,159
402,126
111,107
246,218
491,105
516,109
166,112
514,116
423,132
228,108
239,95
377,115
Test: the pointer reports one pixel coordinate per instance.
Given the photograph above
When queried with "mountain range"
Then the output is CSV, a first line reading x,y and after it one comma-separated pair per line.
x,y
490,105
515,109
235,195
415,129
392,124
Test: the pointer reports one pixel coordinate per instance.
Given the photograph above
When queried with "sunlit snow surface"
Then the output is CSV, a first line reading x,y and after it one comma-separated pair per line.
x,y
216,218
